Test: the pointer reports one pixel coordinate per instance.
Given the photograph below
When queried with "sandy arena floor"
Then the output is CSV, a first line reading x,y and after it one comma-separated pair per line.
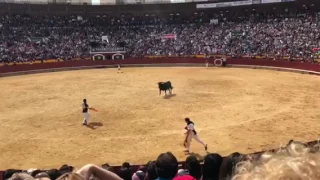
x,y
240,110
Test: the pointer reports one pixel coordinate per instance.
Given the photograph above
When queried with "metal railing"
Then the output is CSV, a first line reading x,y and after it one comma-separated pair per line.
x,y
99,2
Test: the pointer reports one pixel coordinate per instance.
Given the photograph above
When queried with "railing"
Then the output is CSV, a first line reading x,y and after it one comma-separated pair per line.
x,y
98,2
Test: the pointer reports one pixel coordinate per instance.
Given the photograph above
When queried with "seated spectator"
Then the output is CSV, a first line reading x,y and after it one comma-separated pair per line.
x,y
106,166
295,162
166,166
192,168
88,171
53,173
125,171
227,168
211,167
139,175
8,173
42,175
151,171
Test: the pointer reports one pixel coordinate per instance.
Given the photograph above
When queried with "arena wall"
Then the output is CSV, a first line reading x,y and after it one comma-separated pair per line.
x,y
144,62
233,62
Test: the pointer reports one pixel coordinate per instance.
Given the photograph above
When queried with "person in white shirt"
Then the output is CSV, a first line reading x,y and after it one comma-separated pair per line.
x,y
85,112
119,68
192,133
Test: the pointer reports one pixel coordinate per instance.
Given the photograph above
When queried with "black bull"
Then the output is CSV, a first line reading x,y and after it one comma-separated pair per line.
x,y
165,86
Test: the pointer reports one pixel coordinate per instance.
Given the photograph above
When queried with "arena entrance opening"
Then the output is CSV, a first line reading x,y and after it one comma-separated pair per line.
x,y
107,53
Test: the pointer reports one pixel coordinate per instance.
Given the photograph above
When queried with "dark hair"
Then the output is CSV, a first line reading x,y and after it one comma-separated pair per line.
x,y
125,173
167,165
8,173
187,119
35,172
142,168
211,166
193,166
106,166
126,165
54,174
228,166
151,171
84,100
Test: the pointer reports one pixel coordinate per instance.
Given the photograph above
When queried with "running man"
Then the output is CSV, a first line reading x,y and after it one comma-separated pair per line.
x,y
192,133
85,112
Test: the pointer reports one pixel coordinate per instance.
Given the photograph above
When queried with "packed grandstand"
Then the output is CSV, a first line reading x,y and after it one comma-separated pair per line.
x,y
288,33
279,32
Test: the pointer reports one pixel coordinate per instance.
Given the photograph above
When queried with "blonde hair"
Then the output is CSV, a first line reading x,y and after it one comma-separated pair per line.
x,y
295,162
70,176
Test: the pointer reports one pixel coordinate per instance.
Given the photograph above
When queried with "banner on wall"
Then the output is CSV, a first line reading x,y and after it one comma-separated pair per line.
x,y
107,50
275,1
270,1
224,4
169,36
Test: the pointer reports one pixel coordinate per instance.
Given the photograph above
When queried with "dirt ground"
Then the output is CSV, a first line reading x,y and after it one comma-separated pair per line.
x,y
242,110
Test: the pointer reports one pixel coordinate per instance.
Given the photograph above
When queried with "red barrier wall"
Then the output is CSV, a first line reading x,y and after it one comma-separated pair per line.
x,y
240,61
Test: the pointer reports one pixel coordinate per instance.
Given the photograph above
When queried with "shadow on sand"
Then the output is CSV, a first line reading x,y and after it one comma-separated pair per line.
x,y
94,125
169,96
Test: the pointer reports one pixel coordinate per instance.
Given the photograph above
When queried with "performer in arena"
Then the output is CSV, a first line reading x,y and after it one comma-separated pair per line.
x,y
192,133
85,112
119,68
207,64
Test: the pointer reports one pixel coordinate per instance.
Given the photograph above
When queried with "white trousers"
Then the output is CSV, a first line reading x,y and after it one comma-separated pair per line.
x,y
86,117
196,137
207,65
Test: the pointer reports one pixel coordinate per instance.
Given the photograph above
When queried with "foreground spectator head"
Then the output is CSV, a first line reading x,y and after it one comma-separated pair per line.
x,y
228,165
193,166
53,173
70,176
211,167
142,168
126,165
139,175
21,176
42,175
125,171
166,166
106,166
96,172
294,163
8,173
151,171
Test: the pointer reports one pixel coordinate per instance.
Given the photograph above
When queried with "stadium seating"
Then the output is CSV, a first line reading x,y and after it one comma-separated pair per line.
x,y
26,38
212,165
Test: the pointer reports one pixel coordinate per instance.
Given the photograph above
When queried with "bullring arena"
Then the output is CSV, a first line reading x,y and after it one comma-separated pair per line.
x,y
235,109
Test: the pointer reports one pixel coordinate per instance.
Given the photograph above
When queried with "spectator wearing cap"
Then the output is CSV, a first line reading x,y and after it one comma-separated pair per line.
x,y
166,166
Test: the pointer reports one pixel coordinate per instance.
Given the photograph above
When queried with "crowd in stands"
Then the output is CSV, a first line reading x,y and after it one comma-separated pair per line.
x,y
296,161
25,38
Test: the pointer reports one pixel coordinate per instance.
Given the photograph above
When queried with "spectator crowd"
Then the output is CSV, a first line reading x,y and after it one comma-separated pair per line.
x,y
296,161
25,38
